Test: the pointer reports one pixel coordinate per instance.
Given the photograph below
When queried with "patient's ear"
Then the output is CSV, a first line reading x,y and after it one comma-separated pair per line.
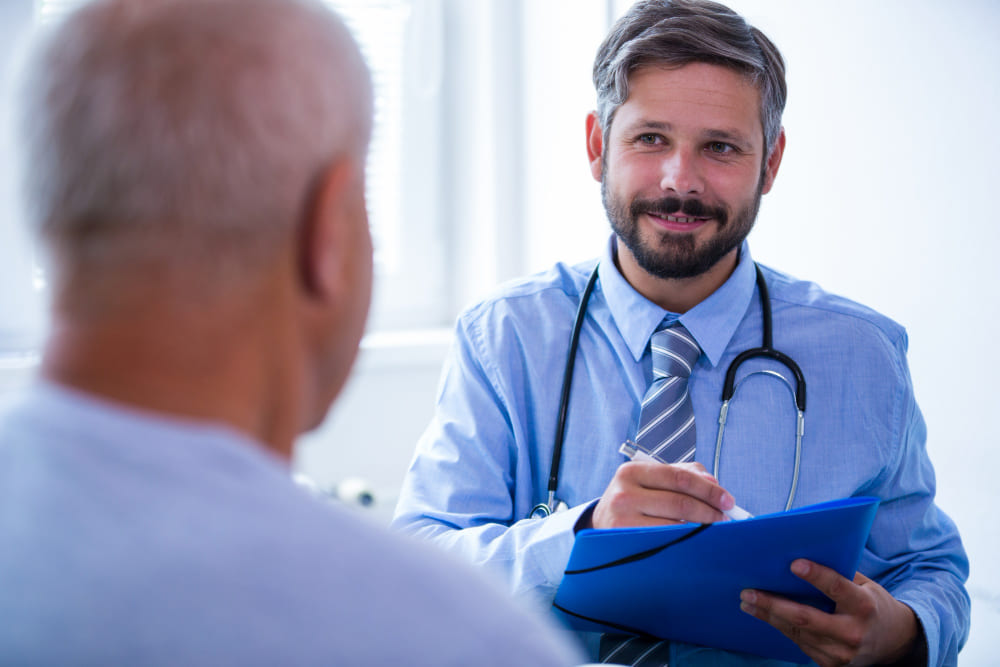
x,y
332,289
327,237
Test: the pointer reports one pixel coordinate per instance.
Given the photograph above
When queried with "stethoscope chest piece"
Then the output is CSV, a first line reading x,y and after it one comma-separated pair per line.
x,y
542,510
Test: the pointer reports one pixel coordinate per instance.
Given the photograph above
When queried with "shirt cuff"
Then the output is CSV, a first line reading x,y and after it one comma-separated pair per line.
x,y
560,529
585,521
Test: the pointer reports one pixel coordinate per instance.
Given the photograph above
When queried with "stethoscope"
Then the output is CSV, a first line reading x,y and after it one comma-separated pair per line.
x,y
729,387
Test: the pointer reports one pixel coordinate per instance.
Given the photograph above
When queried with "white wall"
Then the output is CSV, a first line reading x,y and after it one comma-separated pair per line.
x,y
885,195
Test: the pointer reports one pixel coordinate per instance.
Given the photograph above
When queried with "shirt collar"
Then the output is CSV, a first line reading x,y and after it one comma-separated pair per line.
x,y
712,322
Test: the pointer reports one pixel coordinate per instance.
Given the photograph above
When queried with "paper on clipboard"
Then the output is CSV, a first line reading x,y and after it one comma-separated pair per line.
x,y
683,582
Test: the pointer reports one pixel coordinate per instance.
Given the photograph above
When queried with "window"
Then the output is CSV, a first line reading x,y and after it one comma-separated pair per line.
x,y
21,310
479,117
401,42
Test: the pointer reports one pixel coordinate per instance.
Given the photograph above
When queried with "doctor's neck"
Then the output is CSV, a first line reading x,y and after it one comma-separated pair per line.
x,y
678,295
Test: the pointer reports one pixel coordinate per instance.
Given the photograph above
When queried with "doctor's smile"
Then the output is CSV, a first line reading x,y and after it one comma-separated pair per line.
x,y
673,214
679,220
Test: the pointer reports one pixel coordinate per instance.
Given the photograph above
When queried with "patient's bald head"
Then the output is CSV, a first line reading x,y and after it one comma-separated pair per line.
x,y
185,135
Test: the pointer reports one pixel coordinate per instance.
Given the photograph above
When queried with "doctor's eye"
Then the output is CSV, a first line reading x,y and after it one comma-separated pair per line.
x,y
720,148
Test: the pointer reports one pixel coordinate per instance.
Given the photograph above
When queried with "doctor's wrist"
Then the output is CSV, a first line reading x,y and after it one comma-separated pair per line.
x,y
916,655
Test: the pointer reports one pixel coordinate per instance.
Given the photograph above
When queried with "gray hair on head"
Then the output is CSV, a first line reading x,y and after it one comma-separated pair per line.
x,y
674,33
185,134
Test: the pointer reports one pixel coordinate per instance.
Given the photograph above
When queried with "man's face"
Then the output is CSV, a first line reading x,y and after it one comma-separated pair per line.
x,y
682,170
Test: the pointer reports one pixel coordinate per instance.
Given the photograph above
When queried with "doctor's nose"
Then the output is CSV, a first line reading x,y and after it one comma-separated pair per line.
x,y
679,174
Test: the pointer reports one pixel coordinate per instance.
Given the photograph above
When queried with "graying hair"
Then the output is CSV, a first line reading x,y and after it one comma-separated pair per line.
x,y
674,33
187,134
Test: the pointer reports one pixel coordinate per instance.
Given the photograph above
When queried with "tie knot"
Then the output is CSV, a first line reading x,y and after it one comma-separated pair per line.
x,y
674,352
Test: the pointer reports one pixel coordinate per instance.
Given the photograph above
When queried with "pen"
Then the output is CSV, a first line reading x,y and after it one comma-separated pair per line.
x,y
630,450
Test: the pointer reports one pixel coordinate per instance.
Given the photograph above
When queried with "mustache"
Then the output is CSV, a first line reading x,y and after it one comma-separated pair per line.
x,y
693,208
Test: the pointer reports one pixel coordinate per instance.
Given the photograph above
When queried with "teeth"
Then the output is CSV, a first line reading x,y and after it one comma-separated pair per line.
x,y
678,219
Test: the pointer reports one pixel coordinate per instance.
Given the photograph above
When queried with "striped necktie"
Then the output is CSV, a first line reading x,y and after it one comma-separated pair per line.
x,y
666,432
666,422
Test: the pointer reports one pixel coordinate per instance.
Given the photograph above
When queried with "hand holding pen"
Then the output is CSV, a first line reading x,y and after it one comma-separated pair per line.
x,y
646,492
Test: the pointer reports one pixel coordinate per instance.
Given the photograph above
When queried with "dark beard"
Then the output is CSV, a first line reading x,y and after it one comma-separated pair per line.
x,y
674,255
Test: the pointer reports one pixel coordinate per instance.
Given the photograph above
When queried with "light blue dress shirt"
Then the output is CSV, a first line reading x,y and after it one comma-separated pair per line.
x,y
484,460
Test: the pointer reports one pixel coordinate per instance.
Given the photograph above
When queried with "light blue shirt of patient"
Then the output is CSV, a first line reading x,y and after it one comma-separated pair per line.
x,y
133,538
484,460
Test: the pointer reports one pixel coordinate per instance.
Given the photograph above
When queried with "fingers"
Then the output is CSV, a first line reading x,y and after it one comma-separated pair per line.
x,y
868,626
690,479
645,494
826,638
850,599
848,594
696,467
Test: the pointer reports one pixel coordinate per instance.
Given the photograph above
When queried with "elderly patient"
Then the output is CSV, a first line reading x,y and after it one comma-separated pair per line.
x,y
195,171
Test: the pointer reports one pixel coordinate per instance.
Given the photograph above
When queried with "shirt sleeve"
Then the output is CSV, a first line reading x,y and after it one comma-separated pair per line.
x,y
470,484
915,551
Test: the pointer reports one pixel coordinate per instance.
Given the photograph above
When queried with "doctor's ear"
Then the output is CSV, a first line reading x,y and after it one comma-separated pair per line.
x,y
773,162
595,146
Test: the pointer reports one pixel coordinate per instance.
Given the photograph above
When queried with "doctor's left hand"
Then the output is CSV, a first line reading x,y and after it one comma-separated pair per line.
x,y
867,626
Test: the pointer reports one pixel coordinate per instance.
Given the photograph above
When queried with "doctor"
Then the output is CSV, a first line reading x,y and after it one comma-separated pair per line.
x,y
685,140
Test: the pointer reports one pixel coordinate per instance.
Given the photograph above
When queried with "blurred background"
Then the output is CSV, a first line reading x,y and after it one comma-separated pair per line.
x,y
478,174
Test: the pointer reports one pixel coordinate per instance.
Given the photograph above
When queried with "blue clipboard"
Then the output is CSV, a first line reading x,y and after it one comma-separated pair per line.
x,y
683,582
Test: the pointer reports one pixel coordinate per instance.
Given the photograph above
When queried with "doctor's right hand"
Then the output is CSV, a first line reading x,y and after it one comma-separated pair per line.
x,y
644,493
